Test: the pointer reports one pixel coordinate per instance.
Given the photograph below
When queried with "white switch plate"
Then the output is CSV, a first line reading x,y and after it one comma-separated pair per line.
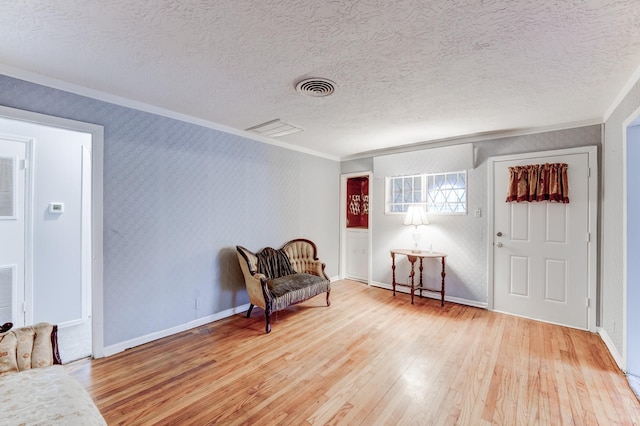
x,y
56,207
478,212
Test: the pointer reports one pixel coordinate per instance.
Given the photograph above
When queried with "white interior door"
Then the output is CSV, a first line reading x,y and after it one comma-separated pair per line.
x,y
12,230
540,249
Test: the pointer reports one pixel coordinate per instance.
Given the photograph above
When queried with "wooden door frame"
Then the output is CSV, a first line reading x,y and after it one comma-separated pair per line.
x,y
343,223
592,246
97,173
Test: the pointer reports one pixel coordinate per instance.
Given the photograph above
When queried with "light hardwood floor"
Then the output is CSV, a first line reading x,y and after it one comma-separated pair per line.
x,y
368,359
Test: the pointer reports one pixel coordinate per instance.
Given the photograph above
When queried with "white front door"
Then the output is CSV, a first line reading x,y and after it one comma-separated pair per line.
x,y
540,249
12,230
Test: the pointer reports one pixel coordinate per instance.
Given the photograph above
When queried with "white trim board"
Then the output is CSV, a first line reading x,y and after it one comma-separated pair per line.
x,y
127,344
432,295
612,348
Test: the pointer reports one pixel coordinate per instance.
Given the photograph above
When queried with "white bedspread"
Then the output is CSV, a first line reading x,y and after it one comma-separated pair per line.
x,y
46,396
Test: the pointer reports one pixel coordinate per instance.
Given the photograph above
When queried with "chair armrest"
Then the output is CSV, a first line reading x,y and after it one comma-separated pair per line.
x,y
256,283
257,289
316,267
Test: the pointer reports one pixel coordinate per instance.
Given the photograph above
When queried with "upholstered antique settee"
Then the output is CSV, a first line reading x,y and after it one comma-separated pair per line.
x,y
34,388
278,278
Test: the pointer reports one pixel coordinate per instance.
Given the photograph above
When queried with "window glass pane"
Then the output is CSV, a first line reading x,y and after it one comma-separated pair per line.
x,y
406,184
440,192
397,184
452,180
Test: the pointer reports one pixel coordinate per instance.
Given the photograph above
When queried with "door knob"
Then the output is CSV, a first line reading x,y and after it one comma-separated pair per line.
x,y
499,244
499,234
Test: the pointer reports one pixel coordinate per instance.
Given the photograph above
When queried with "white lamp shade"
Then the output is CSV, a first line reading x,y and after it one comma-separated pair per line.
x,y
416,215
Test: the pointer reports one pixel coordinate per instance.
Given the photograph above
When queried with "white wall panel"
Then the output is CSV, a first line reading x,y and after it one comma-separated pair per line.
x,y
556,223
519,221
520,278
7,273
556,284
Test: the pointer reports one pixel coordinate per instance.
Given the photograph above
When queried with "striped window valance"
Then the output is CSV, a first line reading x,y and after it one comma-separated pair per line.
x,y
538,182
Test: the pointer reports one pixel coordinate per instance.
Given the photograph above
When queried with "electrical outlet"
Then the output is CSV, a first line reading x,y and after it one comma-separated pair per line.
x,y
197,303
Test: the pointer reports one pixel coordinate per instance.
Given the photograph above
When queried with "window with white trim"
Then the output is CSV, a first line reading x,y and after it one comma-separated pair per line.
x,y
444,193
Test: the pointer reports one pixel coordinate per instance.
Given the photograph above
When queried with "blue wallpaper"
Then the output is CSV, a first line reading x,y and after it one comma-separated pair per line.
x,y
177,198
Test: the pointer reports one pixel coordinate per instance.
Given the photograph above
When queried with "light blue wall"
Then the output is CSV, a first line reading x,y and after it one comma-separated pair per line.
x,y
611,249
633,250
177,198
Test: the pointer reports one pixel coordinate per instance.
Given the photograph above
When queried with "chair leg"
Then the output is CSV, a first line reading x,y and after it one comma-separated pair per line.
x,y
250,309
267,315
328,301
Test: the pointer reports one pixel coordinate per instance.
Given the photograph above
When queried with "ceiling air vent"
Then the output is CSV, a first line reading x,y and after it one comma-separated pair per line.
x,y
274,128
316,87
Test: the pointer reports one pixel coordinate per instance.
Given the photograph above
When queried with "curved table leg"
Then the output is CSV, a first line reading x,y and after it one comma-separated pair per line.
x,y
442,289
393,272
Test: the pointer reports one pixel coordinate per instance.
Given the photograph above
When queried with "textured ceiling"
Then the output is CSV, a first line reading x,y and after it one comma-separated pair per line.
x,y
407,71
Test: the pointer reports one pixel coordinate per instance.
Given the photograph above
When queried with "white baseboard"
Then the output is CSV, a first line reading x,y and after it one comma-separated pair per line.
x,y
612,348
122,346
334,278
433,295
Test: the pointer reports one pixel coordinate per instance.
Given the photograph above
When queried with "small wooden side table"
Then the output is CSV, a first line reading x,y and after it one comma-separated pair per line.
x,y
412,257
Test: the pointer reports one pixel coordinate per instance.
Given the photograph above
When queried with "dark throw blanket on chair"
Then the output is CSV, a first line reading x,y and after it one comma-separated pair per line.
x,y
274,263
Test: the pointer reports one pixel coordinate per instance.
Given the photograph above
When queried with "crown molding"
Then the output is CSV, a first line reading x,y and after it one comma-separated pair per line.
x,y
141,106
476,137
623,93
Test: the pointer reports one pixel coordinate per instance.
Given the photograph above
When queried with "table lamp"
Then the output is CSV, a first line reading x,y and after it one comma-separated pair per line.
x,y
416,216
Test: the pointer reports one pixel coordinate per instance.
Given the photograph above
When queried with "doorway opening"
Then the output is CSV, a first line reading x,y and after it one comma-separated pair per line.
x,y
60,201
355,229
